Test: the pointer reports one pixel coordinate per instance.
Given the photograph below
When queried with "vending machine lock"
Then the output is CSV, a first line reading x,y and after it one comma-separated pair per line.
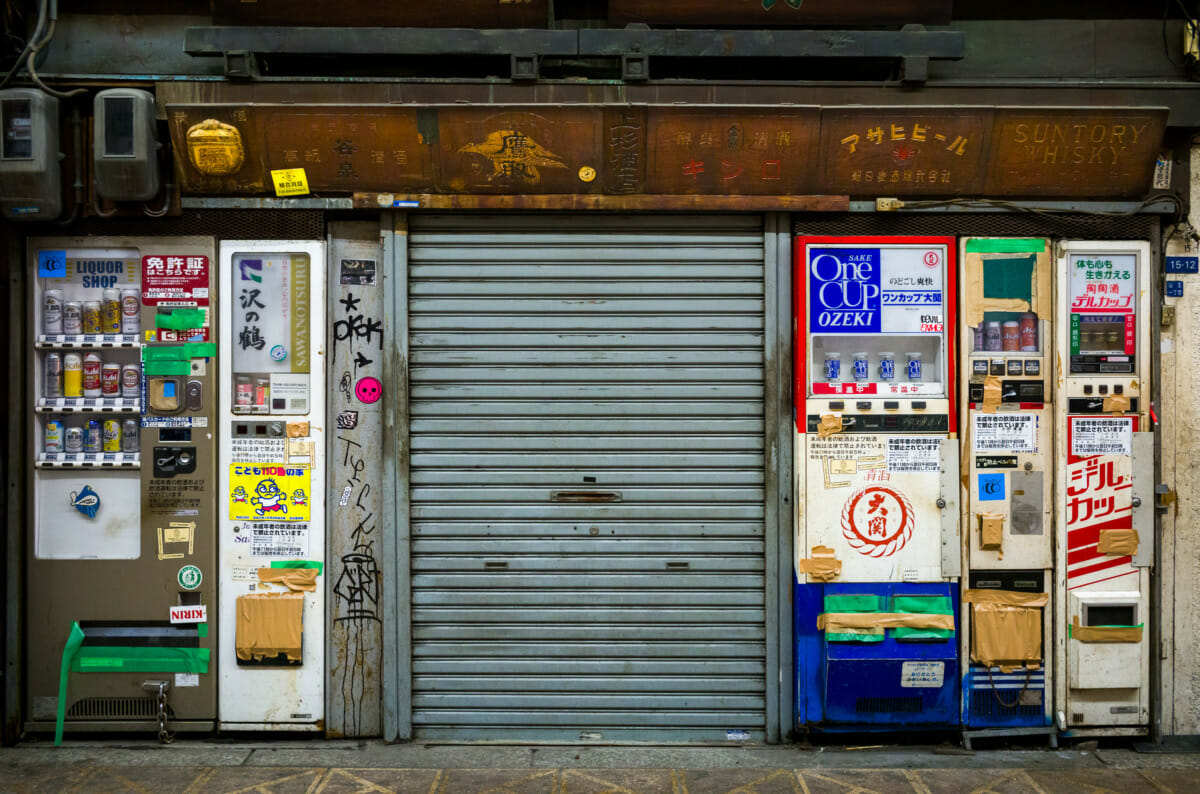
x,y
170,461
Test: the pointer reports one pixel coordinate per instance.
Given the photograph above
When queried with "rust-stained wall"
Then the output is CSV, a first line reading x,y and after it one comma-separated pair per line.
x,y
1180,433
355,467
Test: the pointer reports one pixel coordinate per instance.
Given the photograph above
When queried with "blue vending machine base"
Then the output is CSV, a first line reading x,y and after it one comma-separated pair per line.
x,y
882,680
1005,700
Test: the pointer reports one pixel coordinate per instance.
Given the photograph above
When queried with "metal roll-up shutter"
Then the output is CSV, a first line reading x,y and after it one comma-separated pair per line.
x,y
587,477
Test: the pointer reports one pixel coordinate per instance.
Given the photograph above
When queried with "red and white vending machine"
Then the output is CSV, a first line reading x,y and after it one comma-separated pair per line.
x,y
1105,525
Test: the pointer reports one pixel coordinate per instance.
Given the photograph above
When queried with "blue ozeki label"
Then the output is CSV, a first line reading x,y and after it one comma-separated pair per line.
x,y
845,290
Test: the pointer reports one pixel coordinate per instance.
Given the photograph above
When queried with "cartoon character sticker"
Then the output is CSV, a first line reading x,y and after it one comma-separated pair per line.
x,y
368,390
269,492
86,501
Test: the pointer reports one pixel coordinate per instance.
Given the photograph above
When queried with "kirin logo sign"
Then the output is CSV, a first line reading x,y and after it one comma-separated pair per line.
x,y
845,289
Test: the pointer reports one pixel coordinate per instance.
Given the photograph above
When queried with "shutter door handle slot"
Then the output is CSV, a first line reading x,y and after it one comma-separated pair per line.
x,y
585,496
678,566
499,566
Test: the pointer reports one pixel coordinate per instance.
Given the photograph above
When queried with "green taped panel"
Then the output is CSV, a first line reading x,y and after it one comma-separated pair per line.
x,y
854,603
120,659
201,629
1010,278
182,352
924,605
168,368
1106,626
977,245
74,640
180,319
320,566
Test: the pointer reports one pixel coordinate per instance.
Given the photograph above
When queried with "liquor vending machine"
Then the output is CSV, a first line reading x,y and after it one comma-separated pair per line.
x,y
272,492
878,550
122,545
1007,435
1104,493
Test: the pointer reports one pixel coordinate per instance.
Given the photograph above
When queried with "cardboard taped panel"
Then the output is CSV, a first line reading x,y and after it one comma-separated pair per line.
x,y
1118,542
295,579
830,424
840,621
992,394
1104,633
1116,403
991,532
270,624
822,566
1008,597
1006,636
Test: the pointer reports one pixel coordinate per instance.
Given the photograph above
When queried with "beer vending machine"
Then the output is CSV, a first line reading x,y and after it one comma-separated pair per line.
x,y
1104,490
272,491
122,545
1007,435
878,551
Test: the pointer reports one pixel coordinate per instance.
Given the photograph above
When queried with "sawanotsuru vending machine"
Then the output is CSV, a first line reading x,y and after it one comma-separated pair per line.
x,y
1104,493
878,550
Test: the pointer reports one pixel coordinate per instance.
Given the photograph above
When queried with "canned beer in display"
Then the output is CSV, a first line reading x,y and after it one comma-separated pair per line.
x,y
110,311
110,379
131,381
74,439
1010,336
887,366
262,392
91,436
54,375
991,336
52,311
72,318
1114,341
72,375
914,365
833,367
91,317
862,367
979,338
54,436
1029,332
131,307
92,367
129,435
112,435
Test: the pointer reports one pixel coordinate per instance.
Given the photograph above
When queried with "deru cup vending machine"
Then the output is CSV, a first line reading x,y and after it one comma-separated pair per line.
x,y
877,540
1007,308
1104,493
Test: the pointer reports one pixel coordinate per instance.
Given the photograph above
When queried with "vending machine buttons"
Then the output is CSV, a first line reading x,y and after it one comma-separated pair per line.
x,y
919,405
1103,388
1015,367
891,405
979,366
863,405
1033,367
997,366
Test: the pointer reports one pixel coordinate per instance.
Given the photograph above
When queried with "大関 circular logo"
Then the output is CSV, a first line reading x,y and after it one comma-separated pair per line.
x,y
877,521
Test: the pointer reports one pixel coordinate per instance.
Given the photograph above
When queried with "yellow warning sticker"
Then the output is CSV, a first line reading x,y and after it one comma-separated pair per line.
x,y
290,182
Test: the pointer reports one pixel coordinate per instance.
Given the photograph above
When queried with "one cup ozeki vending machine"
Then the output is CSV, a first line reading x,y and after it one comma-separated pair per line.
x,y
878,551
1104,487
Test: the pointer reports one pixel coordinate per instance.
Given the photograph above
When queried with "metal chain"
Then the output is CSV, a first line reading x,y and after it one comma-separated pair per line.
x,y
164,737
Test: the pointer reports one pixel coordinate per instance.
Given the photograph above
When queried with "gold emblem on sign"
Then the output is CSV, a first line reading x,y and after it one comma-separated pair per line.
x,y
587,174
515,157
215,148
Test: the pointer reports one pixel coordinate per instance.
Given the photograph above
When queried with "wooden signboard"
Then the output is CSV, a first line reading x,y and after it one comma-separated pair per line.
x,y
779,13
690,150
365,13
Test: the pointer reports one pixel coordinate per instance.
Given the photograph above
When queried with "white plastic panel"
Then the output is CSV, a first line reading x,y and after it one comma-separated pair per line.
x,y
64,533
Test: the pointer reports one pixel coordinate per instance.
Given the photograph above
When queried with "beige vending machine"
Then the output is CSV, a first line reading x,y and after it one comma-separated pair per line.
x,y
120,547
1008,450
1104,487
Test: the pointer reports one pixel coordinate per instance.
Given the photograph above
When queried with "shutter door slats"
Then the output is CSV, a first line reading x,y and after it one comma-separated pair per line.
x,y
621,355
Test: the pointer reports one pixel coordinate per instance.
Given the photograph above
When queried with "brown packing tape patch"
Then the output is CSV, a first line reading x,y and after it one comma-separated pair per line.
x,y
973,289
830,424
297,429
1006,636
1118,542
991,532
269,624
823,569
1041,301
992,393
1104,633
1007,597
836,622
822,551
1116,404
295,579
1005,305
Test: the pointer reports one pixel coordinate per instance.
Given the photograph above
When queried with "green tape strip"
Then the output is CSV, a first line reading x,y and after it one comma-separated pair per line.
x,y
180,319
924,605
168,367
119,659
1016,246
854,603
182,352
1114,626
201,629
320,566
74,640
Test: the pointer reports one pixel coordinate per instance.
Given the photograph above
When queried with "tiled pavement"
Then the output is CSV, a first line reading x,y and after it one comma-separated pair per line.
x,y
200,768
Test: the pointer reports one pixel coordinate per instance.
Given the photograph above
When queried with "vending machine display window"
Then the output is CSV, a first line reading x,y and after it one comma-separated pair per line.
x,y
1102,309
272,349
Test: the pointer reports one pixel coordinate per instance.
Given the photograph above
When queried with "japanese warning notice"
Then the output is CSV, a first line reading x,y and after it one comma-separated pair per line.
x,y
1101,435
913,453
1004,432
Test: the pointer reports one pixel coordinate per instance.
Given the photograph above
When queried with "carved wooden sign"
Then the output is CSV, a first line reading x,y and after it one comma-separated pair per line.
x,y
670,150
355,13
775,13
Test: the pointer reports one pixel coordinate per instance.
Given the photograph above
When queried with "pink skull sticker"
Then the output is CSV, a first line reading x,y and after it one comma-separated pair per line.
x,y
368,390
